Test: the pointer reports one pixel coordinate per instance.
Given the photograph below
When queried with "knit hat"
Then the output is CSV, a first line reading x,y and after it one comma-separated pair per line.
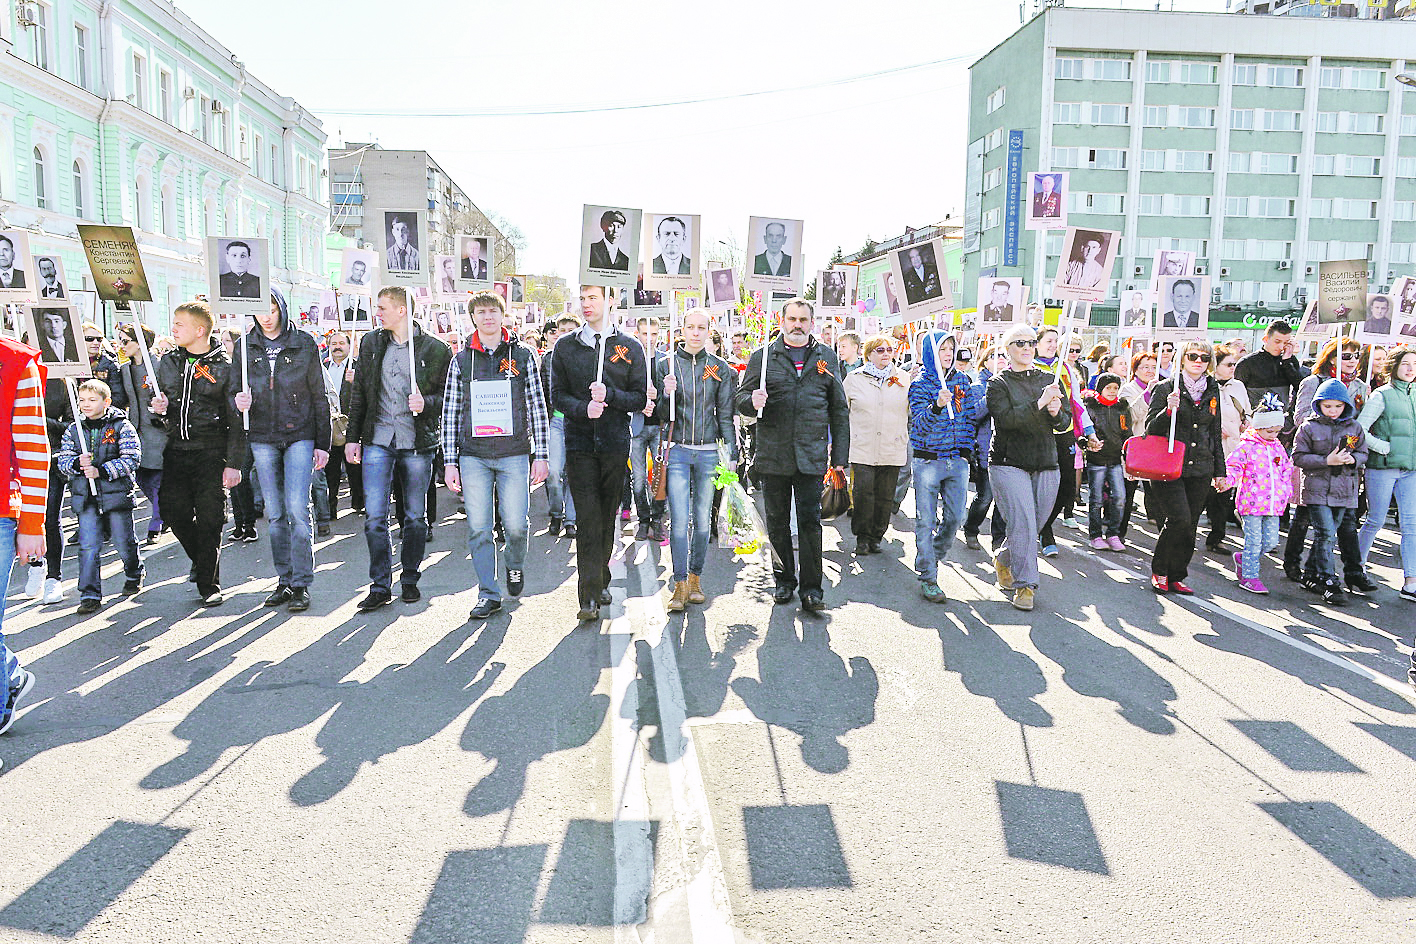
x,y
1104,380
1269,414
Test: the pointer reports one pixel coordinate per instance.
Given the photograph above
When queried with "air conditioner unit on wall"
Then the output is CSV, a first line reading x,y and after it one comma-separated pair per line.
x,y
188,94
1200,270
1284,264
217,107
1223,271
1309,270
1261,303
1140,270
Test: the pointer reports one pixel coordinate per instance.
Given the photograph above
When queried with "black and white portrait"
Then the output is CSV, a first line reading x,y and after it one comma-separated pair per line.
x,y
920,274
1379,327
356,267
1172,262
355,312
887,289
774,255
16,268
402,242
55,332
641,297
833,291
671,246
516,284
237,274
1047,203
51,277
1000,301
609,246
1084,268
445,275
1183,301
328,305
722,288
475,255
1135,311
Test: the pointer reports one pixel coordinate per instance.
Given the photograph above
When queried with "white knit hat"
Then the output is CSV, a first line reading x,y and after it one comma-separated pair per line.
x,y
1269,414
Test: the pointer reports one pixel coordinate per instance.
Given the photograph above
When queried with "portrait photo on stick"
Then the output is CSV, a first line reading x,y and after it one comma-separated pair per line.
x,y
671,246
609,246
774,253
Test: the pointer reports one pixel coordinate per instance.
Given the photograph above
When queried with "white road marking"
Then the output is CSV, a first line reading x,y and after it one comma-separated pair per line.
x,y
633,845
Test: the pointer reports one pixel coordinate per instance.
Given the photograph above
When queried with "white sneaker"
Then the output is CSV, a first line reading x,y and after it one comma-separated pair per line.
x,y
53,591
34,582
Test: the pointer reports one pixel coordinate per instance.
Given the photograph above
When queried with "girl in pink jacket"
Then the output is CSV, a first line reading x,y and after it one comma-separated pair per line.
x,y
1261,474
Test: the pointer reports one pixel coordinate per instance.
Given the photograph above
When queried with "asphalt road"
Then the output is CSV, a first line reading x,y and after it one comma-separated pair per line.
x,y
1112,767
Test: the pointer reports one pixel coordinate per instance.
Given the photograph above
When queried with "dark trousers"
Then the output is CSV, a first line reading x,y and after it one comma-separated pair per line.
x,y
53,536
335,469
150,481
778,493
1347,548
596,483
1220,509
243,496
873,500
1180,504
1132,486
193,505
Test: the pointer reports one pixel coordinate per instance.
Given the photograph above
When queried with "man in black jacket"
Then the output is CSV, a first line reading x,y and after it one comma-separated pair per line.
x,y
289,439
1273,368
801,405
339,376
394,416
206,444
598,378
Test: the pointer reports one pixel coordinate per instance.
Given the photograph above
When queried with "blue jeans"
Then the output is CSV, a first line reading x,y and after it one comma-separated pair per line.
x,y
1326,520
509,480
380,465
284,473
1382,484
691,491
125,542
641,447
1260,537
941,488
9,665
1100,479
150,481
557,493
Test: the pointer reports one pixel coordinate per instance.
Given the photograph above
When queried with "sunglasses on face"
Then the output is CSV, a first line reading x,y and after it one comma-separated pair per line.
x,y
93,340
1024,343
1197,356
1350,357
1074,350
884,349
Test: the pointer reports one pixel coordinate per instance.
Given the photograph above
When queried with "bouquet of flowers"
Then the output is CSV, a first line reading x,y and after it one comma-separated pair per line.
x,y
739,525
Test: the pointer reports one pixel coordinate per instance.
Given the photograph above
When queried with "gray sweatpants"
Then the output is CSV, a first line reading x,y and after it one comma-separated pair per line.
x,y
1025,500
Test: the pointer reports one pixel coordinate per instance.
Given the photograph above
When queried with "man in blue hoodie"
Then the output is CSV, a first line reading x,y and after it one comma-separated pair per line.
x,y
289,437
944,405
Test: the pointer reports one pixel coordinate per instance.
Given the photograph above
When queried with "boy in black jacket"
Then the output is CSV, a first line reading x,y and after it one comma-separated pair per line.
x,y
1106,487
206,444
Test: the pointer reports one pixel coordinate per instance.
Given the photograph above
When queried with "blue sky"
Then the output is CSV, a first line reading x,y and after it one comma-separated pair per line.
x,y
863,158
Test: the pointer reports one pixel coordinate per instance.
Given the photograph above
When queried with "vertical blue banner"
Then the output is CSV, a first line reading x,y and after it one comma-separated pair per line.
x,y
1014,199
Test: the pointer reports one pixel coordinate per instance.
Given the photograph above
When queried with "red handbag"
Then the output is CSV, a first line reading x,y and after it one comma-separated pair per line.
x,y
1156,458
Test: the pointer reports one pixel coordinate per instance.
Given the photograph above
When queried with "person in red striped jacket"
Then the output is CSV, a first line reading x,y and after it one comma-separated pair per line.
x,y
22,499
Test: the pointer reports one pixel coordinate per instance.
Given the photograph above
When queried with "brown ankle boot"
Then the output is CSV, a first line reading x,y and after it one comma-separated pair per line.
x,y
679,600
695,592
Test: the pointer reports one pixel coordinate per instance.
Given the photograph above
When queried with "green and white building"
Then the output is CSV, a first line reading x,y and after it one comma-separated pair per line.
x,y
126,112
1263,144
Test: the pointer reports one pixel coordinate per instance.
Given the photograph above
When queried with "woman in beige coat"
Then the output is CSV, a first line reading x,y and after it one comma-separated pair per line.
x,y
878,395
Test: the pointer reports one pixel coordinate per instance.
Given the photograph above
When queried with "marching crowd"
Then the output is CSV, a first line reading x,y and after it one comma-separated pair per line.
x,y
275,417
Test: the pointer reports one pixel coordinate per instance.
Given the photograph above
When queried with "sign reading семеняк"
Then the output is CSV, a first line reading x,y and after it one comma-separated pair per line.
x,y
113,259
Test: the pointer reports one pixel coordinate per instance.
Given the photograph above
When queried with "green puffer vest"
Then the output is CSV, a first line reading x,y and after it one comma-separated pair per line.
x,y
1397,425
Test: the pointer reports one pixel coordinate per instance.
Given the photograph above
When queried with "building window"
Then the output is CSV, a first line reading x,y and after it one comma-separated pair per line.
x,y
1406,167
992,218
1364,166
1194,161
1196,117
1151,204
1329,121
989,257
1364,123
139,82
80,192
1152,160
1117,70
1324,165
41,185
275,175
996,99
1066,157
1282,120
1276,163
1408,124
1242,119
1112,203
992,178
164,95
1107,158
168,222
1198,73
81,60
1284,77
994,139
1246,73
1330,78
1067,113
1103,114
1157,71
1067,69
1190,205
1156,116
1273,206
1367,79
256,155
39,36
1403,210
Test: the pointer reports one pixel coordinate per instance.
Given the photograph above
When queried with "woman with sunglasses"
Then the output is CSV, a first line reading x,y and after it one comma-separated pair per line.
x,y
1339,357
1191,400
1029,409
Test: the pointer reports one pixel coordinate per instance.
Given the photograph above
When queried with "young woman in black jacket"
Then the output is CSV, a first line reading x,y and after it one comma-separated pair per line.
x,y
1192,398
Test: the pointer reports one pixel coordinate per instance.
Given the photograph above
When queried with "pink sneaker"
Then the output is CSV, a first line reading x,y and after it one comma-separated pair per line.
x,y
1099,544
1238,563
624,515
1115,543
1254,586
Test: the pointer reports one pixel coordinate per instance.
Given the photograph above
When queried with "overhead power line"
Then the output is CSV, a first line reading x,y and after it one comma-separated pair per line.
x,y
525,112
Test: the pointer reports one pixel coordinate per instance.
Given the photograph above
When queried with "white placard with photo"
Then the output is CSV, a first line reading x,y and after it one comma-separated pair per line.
x,y
58,334
17,275
357,268
889,301
1047,200
1172,262
1084,268
671,246
445,277
238,274
833,292
329,311
922,279
475,267
516,286
1000,303
641,297
355,313
1134,318
609,246
773,255
1403,300
51,283
405,259
1182,307
722,288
